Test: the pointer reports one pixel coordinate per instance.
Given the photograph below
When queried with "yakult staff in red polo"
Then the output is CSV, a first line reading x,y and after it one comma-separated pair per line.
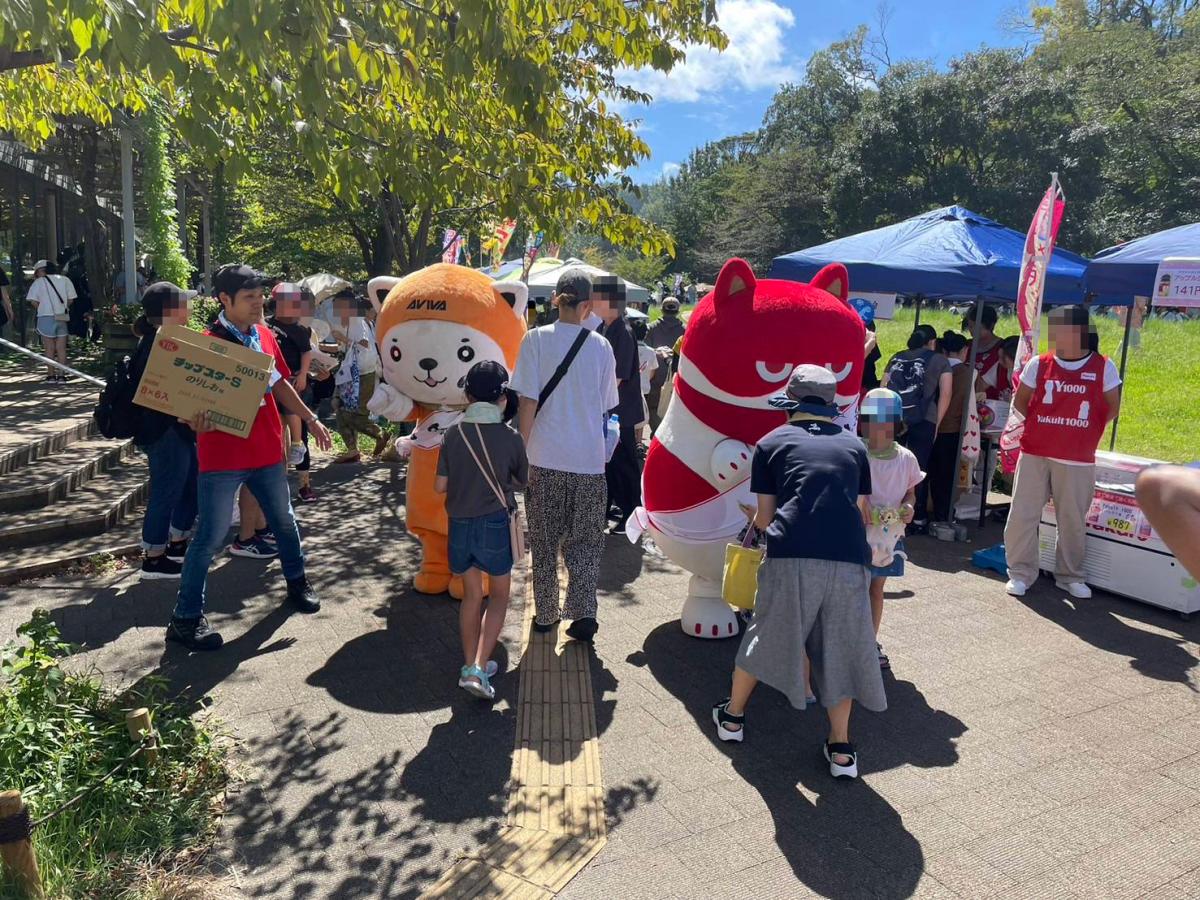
x,y
1068,397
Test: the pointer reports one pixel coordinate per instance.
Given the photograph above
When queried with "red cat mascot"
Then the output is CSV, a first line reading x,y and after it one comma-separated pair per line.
x,y
741,344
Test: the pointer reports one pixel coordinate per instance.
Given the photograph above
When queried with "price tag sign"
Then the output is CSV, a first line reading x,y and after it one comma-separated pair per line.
x,y
1119,515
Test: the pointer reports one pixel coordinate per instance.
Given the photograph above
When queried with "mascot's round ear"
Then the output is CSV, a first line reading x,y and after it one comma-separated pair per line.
x,y
835,279
736,280
378,288
515,294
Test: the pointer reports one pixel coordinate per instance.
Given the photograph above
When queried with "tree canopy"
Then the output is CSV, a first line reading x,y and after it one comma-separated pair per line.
x,y
1107,96
484,106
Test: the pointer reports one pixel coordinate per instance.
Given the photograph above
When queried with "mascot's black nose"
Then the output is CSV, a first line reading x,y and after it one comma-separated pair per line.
x,y
428,363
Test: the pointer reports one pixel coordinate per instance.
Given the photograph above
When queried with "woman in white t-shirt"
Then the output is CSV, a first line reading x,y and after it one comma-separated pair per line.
x,y
52,295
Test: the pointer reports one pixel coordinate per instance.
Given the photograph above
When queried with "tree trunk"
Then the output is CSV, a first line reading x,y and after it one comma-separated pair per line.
x,y
96,257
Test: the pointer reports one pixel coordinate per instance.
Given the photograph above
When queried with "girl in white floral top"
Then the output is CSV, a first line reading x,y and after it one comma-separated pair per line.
x,y
895,474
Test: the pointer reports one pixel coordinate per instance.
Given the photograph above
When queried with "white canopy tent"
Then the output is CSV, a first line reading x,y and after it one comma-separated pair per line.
x,y
541,284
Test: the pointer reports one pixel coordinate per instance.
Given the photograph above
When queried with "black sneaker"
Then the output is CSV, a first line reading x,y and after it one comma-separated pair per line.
x,y
583,629
194,634
253,549
177,550
267,535
160,567
302,596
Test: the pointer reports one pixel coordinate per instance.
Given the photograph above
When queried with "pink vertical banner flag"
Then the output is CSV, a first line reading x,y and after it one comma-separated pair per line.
x,y
451,246
1039,247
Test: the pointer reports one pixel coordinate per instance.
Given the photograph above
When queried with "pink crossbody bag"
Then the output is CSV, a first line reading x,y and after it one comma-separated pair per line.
x,y
516,527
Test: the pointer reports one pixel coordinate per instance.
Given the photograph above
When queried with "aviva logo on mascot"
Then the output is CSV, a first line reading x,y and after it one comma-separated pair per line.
x,y
433,326
741,344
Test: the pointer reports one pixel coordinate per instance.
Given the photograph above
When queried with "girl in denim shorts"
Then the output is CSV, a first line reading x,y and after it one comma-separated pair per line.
x,y
481,465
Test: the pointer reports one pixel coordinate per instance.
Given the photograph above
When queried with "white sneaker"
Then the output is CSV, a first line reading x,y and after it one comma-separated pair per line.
x,y
1016,588
296,454
1076,589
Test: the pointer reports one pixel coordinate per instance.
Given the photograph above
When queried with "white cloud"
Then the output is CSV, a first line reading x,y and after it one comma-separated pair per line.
x,y
670,170
757,56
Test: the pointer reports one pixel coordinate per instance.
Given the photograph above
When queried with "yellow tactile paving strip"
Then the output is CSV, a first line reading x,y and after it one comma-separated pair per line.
x,y
556,807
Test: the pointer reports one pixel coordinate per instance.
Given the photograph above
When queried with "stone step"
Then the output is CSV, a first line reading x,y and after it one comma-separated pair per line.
x,y
48,479
21,563
28,445
92,509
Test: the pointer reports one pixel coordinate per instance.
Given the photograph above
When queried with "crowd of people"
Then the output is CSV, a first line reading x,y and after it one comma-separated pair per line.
x,y
832,508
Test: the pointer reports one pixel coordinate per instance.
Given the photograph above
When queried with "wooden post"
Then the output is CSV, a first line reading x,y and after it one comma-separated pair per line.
x,y
137,721
17,856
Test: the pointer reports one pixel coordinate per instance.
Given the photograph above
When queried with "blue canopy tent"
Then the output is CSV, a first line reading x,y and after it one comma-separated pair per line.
x,y
1127,270
947,252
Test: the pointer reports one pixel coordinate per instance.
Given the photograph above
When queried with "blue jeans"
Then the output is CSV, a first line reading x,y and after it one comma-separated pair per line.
x,y
217,491
171,509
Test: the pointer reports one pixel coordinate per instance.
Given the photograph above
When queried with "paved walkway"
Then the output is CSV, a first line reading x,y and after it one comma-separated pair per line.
x,y
1040,747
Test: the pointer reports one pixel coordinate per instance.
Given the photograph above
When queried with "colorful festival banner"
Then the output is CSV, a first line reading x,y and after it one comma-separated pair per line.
x,y
533,243
1039,247
451,246
495,245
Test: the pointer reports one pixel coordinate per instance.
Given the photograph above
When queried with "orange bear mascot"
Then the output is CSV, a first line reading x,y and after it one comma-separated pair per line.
x,y
433,326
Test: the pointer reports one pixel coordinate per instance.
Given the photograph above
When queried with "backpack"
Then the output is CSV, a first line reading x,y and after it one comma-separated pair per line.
x,y
116,414
907,378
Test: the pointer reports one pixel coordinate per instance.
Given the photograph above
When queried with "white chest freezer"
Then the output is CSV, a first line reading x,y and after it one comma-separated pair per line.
x,y
1124,554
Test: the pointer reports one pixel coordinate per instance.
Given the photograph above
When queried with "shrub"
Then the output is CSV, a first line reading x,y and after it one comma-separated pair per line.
x,y
62,732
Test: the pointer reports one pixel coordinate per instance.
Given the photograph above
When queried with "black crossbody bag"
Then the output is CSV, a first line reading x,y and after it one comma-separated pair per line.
x,y
561,370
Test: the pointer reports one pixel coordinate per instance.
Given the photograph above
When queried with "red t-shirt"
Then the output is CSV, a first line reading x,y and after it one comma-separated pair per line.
x,y
994,378
221,452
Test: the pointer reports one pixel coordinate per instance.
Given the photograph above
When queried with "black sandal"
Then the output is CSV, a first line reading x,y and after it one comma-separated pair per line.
x,y
723,717
836,769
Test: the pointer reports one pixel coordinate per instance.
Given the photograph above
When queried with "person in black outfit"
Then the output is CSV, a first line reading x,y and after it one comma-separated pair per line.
x,y
624,470
169,445
293,304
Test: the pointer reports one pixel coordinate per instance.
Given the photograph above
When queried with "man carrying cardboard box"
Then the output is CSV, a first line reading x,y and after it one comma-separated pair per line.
x,y
228,461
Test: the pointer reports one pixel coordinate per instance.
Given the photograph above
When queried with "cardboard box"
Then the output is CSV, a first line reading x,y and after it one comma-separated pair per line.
x,y
189,372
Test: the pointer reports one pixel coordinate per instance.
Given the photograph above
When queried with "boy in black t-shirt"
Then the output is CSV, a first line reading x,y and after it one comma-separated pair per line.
x,y
292,302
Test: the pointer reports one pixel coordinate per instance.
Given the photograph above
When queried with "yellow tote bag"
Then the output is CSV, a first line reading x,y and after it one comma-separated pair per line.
x,y
739,582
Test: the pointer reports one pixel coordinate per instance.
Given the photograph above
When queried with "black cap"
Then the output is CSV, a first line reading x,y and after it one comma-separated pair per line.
x,y
574,287
486,381
163,294
237,277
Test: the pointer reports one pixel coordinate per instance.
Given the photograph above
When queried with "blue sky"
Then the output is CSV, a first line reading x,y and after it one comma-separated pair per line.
x,y
712,96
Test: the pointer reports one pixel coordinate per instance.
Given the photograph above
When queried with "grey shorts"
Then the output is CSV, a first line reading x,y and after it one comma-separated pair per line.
x,y
823,607
48,326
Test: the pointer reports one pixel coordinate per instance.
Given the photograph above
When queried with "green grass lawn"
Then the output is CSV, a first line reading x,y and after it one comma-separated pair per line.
x,y
1160,410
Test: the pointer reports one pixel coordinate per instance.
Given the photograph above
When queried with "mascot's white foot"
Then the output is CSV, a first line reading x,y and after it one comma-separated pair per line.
x,y
705,614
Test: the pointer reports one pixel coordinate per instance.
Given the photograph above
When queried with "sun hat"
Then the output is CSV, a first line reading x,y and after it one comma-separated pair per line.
x,y
810,389
865,310
881,405
670,304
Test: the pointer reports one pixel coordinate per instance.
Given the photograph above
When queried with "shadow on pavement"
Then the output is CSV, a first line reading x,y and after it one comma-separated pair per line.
x,y
848,841
1107,622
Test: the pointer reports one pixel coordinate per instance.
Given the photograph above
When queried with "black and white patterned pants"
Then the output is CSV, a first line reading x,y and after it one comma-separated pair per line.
x,y
566,511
